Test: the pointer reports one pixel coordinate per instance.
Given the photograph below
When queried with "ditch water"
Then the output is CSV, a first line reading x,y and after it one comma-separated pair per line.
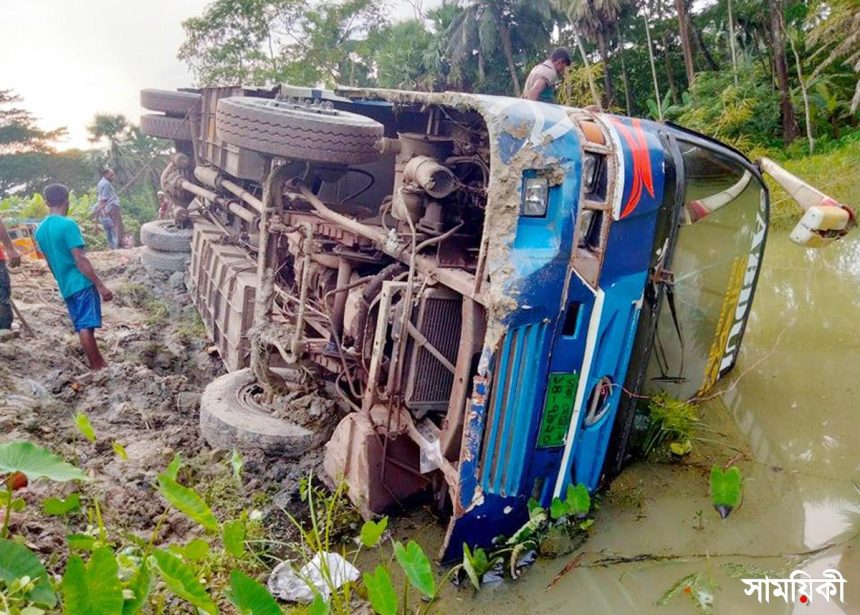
x,y
791,407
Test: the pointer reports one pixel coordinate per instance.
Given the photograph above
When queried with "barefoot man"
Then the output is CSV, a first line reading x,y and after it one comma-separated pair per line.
x,y
60,240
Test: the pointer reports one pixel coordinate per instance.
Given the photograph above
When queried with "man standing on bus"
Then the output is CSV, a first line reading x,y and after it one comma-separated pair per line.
x,y
541,82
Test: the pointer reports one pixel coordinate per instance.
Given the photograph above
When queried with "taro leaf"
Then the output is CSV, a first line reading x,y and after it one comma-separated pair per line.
x,y
17,561
119,449
58,507
416,566
36,462
319,606
681,448
233,534
558,508
532,504
725,489
236,463
82,421
537,518
180,579
578,501
249,597
195,551
187,502
475,564
372,531
81,542
94,589
140,585
173,467
380,591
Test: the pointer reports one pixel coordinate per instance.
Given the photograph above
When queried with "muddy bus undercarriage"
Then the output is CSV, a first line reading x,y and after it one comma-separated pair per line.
x,y
444,289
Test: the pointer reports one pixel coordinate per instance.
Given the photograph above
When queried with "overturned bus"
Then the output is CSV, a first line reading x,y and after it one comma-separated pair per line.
x,y
477,289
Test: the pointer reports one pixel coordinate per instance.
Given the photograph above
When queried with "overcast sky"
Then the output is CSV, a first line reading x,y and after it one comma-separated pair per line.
x,y
71,59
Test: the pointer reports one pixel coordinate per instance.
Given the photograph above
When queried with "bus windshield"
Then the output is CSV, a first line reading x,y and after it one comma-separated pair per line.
x,y
715,264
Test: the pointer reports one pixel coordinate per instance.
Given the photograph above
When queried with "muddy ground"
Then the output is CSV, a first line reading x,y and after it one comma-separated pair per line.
x,y
146,400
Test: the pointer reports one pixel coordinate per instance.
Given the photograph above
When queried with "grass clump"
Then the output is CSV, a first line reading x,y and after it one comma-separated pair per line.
x,y
670,426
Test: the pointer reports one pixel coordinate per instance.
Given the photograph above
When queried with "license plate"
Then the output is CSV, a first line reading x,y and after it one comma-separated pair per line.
x,y
557,409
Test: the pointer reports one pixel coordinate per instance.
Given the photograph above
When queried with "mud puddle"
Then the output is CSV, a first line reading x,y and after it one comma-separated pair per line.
x,y
789,418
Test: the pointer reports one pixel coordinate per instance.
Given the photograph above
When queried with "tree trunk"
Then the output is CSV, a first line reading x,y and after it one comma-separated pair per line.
x,y
807,115
595,94
608,90
667,62
700,41
507,47
653,69
627,102
686,45
780,69
732,44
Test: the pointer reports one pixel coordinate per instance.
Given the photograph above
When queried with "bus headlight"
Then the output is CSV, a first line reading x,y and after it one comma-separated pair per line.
x,y
535,195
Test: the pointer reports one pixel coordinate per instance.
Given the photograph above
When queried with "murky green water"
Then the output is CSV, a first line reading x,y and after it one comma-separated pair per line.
x,y
793,411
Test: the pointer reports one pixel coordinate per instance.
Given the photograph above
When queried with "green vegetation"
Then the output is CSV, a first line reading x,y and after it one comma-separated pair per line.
x,y
28,162
834,170
726,489
670,426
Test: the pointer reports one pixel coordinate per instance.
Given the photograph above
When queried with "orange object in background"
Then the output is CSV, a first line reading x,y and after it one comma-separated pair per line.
x,y
24,242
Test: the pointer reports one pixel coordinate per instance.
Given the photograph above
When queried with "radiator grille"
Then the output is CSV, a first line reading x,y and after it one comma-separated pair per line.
x,y
428,384
511,409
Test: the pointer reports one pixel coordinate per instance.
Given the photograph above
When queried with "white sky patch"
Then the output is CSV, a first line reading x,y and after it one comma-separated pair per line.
x,y
71,59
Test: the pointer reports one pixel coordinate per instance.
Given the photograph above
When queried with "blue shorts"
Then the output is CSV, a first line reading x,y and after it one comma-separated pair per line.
x,y
85,308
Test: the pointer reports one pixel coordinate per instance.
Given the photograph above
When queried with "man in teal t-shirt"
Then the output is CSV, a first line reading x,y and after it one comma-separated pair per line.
x,y
61,242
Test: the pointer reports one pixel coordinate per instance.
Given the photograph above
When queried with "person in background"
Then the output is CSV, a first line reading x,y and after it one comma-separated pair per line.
x,y
9,252
128,241
98,214
541,82
109,204
61,242
163,206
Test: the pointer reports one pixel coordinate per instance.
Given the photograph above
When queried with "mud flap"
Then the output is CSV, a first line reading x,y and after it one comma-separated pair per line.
x,y
377,479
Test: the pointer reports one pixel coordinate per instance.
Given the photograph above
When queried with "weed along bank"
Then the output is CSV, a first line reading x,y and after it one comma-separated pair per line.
x,y
461,297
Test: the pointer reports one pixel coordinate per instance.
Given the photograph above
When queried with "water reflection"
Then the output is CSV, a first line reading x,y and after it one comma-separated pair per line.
x,y
794,412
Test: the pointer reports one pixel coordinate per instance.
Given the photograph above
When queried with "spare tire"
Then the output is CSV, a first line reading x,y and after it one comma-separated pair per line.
x,y
164,127
231,418
165,236
171,102
170,262
299,131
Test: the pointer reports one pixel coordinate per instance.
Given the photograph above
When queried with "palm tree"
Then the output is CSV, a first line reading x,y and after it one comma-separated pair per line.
x,y
484,28
480,27
596,20
838,35
132,155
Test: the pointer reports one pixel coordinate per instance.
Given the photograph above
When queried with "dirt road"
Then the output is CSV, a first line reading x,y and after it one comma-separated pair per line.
x,y
147,401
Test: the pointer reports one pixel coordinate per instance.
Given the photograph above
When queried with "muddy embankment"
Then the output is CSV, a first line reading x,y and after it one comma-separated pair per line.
x,y
146,400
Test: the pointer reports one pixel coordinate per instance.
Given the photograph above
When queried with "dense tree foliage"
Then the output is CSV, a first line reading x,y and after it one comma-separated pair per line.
x,y
29,161
764,65
27,155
